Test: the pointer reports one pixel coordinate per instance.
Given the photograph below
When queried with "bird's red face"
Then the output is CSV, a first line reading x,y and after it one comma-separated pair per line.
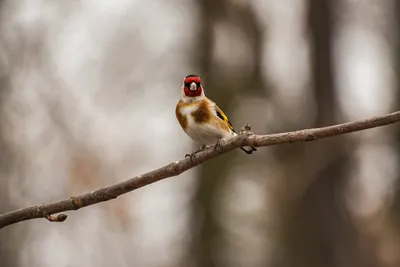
x,y
192,86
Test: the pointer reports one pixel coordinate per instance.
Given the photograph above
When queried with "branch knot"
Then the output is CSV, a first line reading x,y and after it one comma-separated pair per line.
x,y
173,167
245,128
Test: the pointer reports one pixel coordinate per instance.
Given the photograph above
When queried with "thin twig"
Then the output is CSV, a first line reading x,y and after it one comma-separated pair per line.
x,y
173,169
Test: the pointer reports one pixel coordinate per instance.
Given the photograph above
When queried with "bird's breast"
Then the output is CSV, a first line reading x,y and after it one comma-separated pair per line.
x,y
184,114
199,123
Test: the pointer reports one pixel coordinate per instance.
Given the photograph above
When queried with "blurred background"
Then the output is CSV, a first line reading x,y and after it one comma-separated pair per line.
x,y
88,90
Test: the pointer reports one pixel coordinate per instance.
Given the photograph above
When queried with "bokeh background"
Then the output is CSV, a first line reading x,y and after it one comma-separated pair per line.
x,y
88,90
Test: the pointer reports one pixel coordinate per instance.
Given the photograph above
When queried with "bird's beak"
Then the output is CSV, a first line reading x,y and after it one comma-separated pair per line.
x,y
193,87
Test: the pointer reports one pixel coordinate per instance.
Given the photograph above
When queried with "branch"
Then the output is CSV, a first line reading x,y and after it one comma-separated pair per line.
x,y
175,168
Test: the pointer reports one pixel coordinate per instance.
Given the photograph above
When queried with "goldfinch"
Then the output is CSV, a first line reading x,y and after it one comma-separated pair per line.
x,y
201,119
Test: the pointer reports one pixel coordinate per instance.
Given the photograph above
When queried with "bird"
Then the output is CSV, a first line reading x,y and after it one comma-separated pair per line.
x,y
201,119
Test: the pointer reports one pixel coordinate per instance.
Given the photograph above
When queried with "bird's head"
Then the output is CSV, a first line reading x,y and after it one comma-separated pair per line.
x,y
192,87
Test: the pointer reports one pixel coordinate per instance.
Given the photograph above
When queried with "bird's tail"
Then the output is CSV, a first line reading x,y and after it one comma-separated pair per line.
x,y
248,149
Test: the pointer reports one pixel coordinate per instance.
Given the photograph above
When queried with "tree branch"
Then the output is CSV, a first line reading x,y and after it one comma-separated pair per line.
x,y
173,169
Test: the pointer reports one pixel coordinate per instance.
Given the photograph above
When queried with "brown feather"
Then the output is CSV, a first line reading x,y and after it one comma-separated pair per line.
x,y
181,119
202,113
206,112
219,120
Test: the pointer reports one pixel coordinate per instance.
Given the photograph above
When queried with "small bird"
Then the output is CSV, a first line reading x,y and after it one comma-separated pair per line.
x,y
201,119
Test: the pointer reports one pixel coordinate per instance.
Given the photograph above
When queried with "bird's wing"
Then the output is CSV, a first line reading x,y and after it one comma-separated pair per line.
x,y
221,115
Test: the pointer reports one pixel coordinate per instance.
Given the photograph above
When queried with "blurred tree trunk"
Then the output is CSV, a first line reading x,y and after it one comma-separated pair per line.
x,y
8,250
395,208
315,229
10,238
207,233
396,53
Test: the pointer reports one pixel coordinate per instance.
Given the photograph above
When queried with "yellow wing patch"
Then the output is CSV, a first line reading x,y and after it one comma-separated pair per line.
x,y
222,116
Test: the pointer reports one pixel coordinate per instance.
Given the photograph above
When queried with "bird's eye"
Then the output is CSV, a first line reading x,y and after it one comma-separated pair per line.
x,y
187,85
198,85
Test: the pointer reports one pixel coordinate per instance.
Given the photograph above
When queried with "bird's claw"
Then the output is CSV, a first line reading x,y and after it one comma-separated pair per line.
x,y
218,146
192,155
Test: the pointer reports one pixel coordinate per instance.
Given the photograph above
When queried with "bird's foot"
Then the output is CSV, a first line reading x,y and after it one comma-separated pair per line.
x,y
192,155
218,145
202,148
